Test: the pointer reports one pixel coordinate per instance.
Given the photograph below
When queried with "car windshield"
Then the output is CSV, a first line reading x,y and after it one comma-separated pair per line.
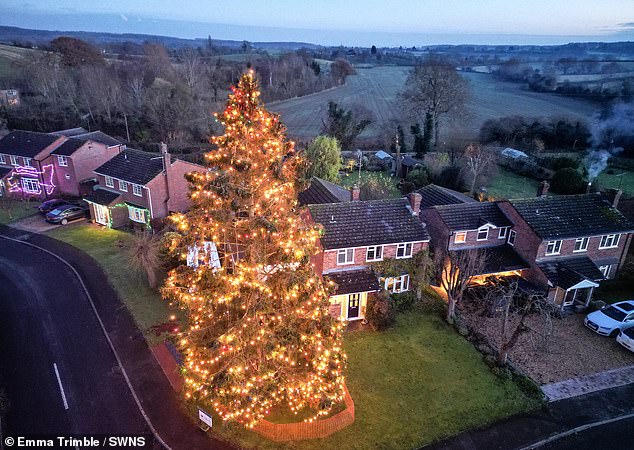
x,y
614,313
629,332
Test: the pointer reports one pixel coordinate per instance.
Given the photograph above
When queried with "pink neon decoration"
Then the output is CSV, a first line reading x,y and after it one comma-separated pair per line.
x,y
21,172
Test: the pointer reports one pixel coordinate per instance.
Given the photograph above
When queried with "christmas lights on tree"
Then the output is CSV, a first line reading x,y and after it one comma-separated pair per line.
x,y
260,334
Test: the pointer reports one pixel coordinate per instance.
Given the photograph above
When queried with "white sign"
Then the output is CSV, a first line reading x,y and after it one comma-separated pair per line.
x,y
204,417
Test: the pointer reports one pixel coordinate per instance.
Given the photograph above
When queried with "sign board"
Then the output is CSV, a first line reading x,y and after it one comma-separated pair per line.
x,y
204,418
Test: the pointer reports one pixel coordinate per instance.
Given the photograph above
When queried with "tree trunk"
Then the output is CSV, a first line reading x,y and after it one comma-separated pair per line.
x,y
451,309
151,277
473,184
436,133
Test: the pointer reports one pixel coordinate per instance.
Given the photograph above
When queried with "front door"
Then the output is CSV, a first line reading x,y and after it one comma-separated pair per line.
x,y
353,306
101,214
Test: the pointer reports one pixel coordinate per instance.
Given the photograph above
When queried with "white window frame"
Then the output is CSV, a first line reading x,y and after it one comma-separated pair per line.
x,y
109,182
486,234
2,159
462,239
556,250
396,285
123,186
348,256
137,190
13,159
605,270
503,232
377,253
405,246
31,185
613,240
583,247
62,161
136,214
511,238
27,162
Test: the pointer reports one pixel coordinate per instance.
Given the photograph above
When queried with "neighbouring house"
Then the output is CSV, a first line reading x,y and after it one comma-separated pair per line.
x,y
9,98
135,187
573,242
358,233
26,166
407,164
322,191
434,195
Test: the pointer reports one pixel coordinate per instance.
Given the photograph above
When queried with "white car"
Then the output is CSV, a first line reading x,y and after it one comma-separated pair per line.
x,y
626,338
610,319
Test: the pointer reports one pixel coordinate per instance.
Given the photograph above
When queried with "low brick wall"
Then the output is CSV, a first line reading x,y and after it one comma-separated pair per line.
x,y
308,430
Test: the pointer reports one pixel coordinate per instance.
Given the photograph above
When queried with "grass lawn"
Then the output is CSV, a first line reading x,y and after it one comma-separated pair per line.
x,y
507,184
411,385
349,180
102,244
620,179
11,210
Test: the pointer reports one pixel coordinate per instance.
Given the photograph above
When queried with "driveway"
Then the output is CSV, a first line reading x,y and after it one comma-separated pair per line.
x,y
37,224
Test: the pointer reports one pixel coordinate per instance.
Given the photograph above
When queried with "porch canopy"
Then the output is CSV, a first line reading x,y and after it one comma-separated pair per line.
x,y
354,281
572,273
102,197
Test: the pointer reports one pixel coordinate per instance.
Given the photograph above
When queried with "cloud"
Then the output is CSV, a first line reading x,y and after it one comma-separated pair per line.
x,y
124,17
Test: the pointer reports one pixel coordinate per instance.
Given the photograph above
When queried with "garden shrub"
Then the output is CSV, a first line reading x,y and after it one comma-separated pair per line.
x,y
405,301
568,181
379,312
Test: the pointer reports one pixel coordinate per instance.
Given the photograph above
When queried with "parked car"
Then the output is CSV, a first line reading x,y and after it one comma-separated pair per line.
x,y
66,213
610,319
50,205
626,338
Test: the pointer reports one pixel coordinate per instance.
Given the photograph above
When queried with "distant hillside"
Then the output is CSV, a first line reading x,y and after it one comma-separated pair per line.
x,y
12,35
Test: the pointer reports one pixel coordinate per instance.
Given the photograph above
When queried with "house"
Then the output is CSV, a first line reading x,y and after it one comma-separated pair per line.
x,y
358,233
25,164
136,187
407,164
322,191
573,242
433,195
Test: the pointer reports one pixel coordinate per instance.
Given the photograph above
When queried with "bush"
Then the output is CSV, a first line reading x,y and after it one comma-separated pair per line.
x,y
419,177
528,386
404,301
502,372
379,312
450,178
560,162
568,181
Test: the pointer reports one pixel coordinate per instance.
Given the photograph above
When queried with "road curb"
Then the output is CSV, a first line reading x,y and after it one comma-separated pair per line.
x,y
105,333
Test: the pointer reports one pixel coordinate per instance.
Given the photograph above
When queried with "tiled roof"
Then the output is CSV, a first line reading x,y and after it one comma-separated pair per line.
x,y
567,272
411,162
434,195
352,281
69,147
102,197
98,136
135,166
568,216
502,258
372,222
322,191
71,132
471,216
25,143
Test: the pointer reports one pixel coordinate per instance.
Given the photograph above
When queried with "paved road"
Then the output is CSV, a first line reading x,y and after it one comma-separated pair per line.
x,y
613,436
45,319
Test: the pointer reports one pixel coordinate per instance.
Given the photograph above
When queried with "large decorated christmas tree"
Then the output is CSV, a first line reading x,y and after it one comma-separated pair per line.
x,y
260,335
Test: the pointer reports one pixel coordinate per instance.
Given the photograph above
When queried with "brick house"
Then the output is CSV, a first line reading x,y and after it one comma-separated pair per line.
x,y
358,233
135,187
322,191
572,242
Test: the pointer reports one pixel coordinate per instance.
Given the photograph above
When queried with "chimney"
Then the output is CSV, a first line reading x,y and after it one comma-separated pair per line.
x,y
542,189
414,200
354,193
614,195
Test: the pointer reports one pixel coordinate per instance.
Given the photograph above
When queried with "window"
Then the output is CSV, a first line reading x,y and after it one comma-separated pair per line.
x,y
31,185
605,270
123,185
14,160
2,160
345,256
374,253
511,239
27,162
460,238
503,232
397,284
404,251
136,189
109,182
609,241
483,234
581,244
136,214
63,161
553,247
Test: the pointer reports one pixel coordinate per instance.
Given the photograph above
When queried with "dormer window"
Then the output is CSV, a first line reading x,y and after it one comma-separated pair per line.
x,y
460,237
553,247
483,234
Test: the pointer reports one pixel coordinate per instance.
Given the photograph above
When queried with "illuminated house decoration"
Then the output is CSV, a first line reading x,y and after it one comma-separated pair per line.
x,y
205,254
30,181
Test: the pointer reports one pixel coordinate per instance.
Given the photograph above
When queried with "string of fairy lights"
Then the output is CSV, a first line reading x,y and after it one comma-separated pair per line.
x,y
260,334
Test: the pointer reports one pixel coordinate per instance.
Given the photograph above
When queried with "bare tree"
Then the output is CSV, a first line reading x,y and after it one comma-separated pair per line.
x,y
422,272
456,270
477,160
191,69
436,88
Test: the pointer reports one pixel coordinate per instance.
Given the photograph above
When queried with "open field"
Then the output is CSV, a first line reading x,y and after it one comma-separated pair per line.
x,y
507,184
619,179
376,89
411,385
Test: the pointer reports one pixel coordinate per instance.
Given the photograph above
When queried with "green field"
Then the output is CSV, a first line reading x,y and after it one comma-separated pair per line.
x,y
376,89
619,179
411,385
507,184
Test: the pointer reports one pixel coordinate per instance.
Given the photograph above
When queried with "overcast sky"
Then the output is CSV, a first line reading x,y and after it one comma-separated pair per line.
x,y
333,22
